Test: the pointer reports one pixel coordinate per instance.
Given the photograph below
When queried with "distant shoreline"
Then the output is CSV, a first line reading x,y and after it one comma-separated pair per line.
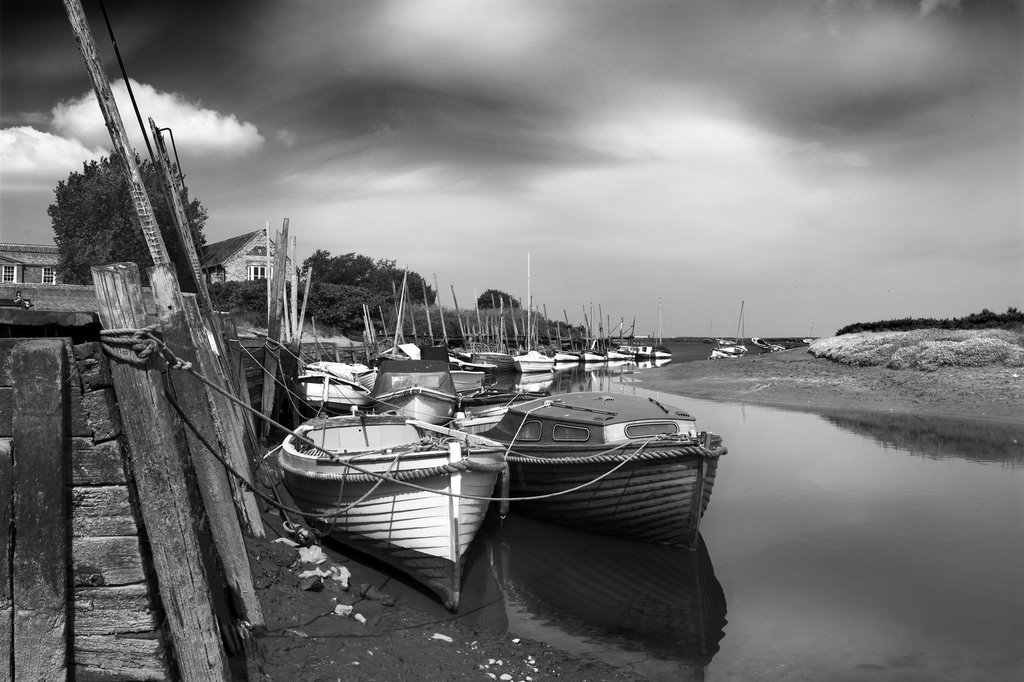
x,y
795,379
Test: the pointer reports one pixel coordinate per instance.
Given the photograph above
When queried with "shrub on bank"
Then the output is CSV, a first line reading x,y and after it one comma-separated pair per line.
x,y
924,349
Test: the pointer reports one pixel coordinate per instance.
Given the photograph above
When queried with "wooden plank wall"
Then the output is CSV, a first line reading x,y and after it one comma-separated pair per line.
x,y
114,619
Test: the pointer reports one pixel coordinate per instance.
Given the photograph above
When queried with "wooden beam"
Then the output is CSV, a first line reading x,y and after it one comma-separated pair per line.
x,y
172,188
272,356
233,429
39,564
205,413
144,218
167,498
6,547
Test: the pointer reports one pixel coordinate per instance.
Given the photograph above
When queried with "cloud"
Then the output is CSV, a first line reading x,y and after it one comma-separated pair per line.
x,y
929,6
198,132
33,160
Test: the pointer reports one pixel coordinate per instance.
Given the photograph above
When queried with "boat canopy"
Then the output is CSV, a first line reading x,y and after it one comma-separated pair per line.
x,y
594,418
400,375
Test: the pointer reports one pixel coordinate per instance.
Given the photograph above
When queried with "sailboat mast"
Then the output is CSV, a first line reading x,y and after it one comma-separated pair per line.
x,y
529,303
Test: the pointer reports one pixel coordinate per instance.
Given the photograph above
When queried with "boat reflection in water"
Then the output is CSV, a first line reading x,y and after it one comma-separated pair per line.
x,y
631,603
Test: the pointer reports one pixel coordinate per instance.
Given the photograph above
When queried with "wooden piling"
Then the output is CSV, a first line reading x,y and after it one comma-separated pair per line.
x,y
39,560
210,418
276,311
164,479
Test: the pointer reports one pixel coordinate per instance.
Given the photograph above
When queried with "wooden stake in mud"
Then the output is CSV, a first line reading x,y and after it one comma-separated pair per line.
x,y
426,311
440,311
458,314
164,479
272,356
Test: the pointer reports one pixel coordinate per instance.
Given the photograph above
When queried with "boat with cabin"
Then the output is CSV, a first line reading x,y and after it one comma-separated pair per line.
x,y
330,388
405,496
609,463
415,389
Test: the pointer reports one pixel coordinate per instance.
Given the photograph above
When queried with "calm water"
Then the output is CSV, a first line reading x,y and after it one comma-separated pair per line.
x,y
834,549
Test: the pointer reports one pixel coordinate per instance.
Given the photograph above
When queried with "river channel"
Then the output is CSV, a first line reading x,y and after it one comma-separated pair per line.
x,y
834,548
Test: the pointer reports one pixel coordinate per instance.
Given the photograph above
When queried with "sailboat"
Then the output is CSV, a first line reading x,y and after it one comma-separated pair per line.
x,y
532,360
731,348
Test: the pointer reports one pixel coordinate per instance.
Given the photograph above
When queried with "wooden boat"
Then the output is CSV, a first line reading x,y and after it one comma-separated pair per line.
x,y
358,481
494,400
415,389
613,355
610,463
644,352
533,361
324,393
503,362
465,380
727,349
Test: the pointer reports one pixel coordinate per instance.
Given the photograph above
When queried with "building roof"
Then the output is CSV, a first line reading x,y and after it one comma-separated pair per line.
x,y
219,252
29,254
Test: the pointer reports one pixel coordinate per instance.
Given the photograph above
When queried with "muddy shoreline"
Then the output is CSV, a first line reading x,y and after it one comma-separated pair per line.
x,y
795,379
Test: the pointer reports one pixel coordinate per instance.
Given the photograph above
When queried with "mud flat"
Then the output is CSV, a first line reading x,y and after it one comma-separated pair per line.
x,y
796,379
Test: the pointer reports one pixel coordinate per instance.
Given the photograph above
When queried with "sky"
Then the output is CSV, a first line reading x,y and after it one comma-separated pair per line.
x,y
813,162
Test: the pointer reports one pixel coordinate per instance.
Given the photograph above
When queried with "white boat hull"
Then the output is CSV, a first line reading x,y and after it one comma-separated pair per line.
x,y
423,531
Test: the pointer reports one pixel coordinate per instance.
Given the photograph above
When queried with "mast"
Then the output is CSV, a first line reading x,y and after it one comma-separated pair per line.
x,y
529,303
659,320
440,311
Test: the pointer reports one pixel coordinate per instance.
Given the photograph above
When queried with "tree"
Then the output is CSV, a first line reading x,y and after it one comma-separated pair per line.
x,y
93,222
494,298
355,270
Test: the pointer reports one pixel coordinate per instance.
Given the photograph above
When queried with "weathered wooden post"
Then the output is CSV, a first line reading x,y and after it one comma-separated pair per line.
x,y
209,417
164,479
272,357
33,571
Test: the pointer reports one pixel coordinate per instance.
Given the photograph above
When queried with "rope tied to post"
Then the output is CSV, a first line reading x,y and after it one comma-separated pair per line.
x,y
144,343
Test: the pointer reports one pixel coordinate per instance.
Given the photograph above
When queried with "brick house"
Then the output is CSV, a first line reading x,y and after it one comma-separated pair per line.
x,y
239,258
28,263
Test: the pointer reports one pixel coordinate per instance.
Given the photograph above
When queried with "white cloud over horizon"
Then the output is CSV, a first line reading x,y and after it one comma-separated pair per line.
x,y
199,131
32,160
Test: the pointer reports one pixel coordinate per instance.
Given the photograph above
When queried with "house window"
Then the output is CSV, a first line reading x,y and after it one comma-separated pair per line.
x,y
9,274
49,275
254,272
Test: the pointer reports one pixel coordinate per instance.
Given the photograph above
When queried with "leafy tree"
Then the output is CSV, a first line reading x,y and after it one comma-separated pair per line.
x,y
341,306
93,220
235,295
381,276
493,298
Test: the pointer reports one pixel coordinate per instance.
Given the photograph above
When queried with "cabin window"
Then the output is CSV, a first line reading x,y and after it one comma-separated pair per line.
x,y
529,431
651,429
254,272
573,433
49,275
10,273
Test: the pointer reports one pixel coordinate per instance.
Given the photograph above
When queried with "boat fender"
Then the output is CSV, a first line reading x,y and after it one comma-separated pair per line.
x,y
505,483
